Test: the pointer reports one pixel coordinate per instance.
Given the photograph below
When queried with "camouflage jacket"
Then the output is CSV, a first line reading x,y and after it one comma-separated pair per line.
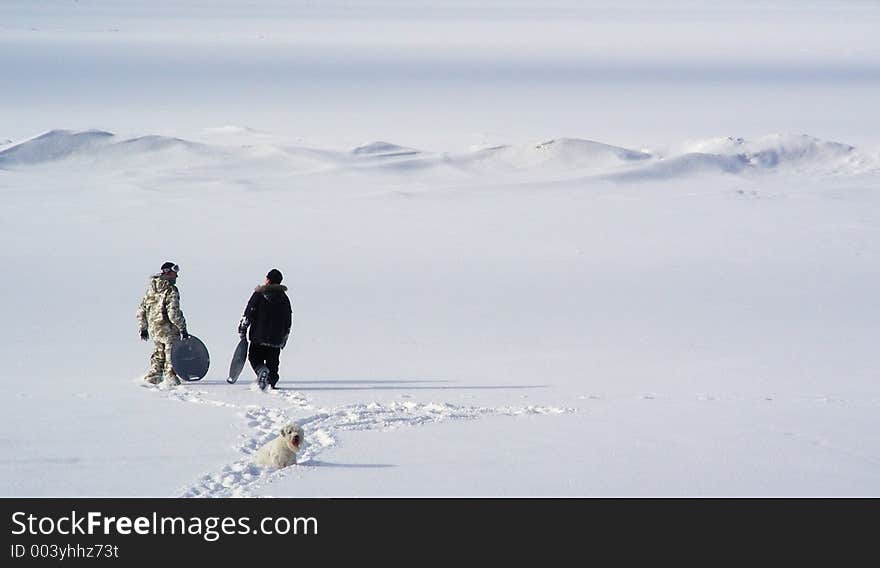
x,y
160,312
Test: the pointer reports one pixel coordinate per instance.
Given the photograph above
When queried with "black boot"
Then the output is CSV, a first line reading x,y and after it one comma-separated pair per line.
x,y
263,378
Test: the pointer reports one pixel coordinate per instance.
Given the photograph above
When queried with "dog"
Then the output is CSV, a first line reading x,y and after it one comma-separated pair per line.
x,y
281,451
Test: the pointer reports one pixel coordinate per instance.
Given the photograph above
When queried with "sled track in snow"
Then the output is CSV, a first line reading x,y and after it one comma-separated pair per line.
x,y
321,426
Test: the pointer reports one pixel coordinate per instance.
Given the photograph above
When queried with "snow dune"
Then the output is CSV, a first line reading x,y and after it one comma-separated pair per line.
x,y
384,150
686,165
69,146
53,146
798,154
557,155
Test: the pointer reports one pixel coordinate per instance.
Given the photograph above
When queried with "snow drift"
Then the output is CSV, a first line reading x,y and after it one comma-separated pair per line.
x,y
798,154
54,145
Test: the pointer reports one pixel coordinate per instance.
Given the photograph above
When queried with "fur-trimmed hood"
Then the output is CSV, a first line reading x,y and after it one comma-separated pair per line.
x,y
270,288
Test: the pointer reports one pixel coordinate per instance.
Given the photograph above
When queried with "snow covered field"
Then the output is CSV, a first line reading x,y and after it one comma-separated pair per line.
x,y
534,249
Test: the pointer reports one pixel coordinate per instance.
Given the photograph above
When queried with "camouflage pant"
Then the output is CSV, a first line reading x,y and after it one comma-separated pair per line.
x,y
160,360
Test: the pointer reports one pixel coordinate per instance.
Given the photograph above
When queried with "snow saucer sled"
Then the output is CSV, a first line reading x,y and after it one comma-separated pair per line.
x,y
190,358
238,360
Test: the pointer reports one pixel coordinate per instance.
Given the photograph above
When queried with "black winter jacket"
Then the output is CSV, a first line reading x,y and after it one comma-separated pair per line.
x,y
268,315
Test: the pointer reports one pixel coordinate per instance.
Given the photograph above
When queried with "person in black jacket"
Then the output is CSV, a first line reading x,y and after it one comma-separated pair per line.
x,y
268,315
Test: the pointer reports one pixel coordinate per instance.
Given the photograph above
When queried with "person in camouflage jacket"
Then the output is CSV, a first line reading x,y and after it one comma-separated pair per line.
x,y
161,319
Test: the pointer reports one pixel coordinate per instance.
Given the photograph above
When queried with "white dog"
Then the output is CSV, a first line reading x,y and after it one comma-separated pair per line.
x,y
281,451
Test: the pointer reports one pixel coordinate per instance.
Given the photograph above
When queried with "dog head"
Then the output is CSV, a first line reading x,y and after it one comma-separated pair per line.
x,y
293,435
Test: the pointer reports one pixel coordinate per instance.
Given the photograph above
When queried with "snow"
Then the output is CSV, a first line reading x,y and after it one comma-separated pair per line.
x,y
564,249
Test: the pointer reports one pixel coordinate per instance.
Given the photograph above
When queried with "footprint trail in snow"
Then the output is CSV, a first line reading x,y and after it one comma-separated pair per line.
x,y
262,423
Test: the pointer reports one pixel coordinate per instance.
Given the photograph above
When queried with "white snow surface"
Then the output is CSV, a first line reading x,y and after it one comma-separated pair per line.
x,y
534,249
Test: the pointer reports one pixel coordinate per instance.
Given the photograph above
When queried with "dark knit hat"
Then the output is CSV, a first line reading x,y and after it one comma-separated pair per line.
x,y
275,276
170,267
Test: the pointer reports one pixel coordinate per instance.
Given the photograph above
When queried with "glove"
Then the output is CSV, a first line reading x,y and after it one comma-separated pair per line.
x,y
242,328
145,335
184,334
